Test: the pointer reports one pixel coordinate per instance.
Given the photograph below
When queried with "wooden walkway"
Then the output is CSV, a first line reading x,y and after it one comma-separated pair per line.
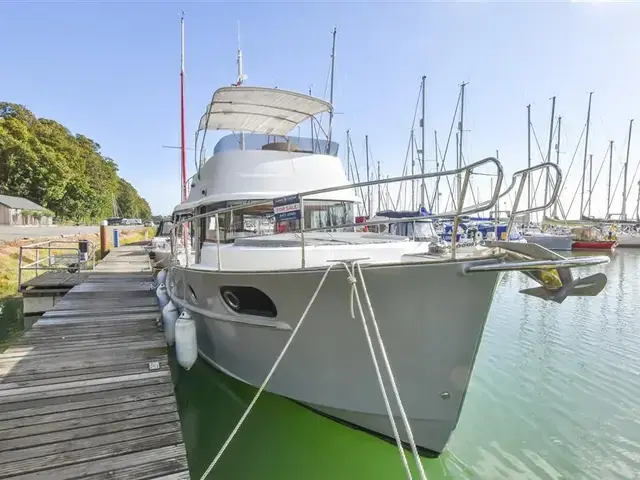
x,y
56,279
87,393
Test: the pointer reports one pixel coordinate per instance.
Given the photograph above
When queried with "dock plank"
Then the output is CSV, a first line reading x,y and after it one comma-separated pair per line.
x,y
87,392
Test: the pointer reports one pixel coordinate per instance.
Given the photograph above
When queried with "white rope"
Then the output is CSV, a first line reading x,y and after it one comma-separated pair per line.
x,y
267,378
354,293
396,393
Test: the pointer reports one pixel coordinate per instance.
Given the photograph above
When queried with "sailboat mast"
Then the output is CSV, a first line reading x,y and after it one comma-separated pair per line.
x,y
422,142
366,147
638,204
554,214
590,183
551,123
183,145
460,143
584,160
413,172
333,66
313,147
348,156
379,190
609,184
623,215
435,146
529,154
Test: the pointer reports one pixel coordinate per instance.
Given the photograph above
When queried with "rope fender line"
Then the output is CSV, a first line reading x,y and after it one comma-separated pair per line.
x,y
353,281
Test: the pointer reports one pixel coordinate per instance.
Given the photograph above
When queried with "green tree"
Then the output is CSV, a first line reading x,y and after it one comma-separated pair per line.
x,y
41,160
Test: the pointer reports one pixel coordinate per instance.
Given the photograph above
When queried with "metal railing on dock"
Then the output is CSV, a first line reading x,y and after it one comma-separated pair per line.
x,y
56,256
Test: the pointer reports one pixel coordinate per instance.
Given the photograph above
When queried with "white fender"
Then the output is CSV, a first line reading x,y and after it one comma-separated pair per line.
x,y
162,276
186,340
163,296
169,317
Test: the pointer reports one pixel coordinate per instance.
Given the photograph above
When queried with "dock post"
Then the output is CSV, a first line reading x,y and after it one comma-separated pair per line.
x,y
104,241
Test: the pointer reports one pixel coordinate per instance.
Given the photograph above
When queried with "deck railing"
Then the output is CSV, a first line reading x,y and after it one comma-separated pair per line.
x,y
455,214
48,257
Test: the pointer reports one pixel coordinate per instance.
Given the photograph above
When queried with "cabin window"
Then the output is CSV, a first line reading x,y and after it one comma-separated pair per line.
x,y
259,220
246,222
321,213
257,141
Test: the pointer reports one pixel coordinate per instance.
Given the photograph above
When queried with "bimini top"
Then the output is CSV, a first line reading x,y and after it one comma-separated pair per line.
x,y
260,110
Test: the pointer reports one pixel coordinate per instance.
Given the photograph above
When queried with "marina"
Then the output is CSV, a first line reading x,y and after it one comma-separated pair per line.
x,y
87,391
400,242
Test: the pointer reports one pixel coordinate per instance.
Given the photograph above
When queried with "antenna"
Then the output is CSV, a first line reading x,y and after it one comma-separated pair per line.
x,y
240,80
241,76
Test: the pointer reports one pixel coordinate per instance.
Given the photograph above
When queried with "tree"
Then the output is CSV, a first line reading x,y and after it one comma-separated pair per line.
x,y
41,160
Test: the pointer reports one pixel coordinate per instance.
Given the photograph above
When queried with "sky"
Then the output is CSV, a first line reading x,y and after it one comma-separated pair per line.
x,y
111,72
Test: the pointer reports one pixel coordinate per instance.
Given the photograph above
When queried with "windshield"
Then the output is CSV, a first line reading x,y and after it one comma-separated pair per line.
x,y
255,141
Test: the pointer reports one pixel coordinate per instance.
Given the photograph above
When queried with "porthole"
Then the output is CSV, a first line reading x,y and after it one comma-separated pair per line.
x,y
248,301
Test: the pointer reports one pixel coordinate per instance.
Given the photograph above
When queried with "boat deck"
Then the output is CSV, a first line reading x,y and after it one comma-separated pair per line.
x,y
87,392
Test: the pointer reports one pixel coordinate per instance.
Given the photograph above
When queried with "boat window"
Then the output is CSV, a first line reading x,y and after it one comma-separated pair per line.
x,y
259,220
321,213
254,141
240,223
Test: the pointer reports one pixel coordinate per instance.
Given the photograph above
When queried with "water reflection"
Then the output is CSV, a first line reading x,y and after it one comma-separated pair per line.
x,y
11,320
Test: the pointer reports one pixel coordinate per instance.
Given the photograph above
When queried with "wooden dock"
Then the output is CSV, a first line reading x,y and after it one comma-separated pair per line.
x,y
55,279
87,393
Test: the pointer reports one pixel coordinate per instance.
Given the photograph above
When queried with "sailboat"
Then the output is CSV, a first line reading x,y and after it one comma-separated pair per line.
x,y
281,277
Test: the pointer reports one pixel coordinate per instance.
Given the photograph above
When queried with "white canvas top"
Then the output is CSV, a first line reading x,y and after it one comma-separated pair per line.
x,y
260,110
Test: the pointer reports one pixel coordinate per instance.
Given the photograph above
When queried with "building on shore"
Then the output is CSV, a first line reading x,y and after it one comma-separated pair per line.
x,y
20,211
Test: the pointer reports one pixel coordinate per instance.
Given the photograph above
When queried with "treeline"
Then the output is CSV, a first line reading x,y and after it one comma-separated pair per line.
x,y
44,162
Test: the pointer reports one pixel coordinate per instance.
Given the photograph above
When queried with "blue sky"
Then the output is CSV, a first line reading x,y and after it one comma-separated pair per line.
x,y
111,72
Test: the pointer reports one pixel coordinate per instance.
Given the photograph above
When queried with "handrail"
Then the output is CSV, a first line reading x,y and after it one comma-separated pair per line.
x,y
456,214
525,173
467,170
50,245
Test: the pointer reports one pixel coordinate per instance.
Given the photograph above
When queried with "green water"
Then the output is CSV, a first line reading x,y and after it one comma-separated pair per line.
x,y
11,320
555,394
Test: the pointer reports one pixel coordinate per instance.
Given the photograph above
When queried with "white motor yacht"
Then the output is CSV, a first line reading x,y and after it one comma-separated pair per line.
x,y
275,243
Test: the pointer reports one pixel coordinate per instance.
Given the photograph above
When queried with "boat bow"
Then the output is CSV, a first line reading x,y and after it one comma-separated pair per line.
x,y
549,269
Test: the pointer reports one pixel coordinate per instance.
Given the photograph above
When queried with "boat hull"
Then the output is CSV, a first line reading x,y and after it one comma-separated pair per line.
x,y
431,318
594,245
551,242
628,241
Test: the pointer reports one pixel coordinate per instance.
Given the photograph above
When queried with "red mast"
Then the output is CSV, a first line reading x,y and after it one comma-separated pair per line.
x,y
183,148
